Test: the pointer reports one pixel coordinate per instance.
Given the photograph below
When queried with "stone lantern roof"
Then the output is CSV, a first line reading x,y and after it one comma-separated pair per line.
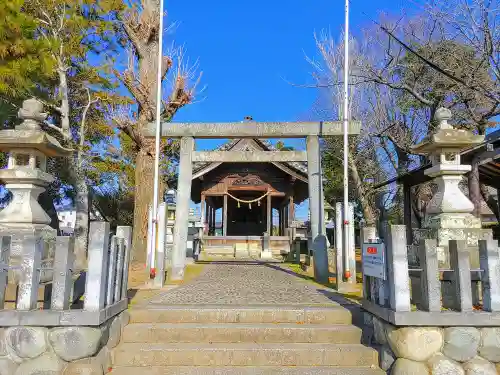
x,y
29,135
446,137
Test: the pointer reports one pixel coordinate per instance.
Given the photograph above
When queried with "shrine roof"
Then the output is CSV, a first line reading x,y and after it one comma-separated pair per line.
x,y
200,168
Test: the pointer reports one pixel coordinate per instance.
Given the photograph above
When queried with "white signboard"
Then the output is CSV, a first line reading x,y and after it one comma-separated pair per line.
x,y
374,260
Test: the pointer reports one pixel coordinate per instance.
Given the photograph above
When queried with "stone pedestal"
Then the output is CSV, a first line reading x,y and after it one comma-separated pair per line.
x,y
449,211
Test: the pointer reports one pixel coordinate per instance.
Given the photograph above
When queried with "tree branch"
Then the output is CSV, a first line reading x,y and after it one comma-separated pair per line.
x,y
53,127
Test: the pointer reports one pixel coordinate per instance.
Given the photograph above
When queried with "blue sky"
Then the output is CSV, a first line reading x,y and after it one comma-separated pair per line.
x,y
248,50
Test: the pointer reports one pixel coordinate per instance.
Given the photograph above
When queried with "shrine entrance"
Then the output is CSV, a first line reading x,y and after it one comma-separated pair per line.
x,y
246,219
245,172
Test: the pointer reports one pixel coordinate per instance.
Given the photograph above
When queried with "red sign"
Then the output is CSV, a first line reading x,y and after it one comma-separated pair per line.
x,y
371,250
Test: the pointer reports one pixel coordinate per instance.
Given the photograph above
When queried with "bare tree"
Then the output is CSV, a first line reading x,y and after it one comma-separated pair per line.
x,y
363,163
383,149
448,57
140,22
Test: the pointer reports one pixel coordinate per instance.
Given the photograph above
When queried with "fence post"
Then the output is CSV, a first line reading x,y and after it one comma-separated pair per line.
x,y
461,279
32,249
4,264
159,280
150,246
95,289
125,232
266,247
430,284
63,261
489,260
352,244
119,269
339,239
110,295
397,267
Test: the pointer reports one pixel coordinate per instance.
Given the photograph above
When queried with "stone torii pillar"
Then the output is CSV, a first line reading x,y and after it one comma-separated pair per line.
x,y
316,208
182,208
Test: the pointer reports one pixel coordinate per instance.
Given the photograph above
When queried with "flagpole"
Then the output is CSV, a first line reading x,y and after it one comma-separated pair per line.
x,y
156,186
347,255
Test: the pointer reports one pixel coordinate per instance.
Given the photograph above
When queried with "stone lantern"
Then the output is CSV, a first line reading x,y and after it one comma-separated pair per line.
x,y
26,177
449,212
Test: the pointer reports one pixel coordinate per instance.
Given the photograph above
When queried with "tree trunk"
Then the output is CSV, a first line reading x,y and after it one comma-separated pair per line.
x,y
46,201
490,200
368,212
144,166
82,207
403,163
144,176
64,113
474,189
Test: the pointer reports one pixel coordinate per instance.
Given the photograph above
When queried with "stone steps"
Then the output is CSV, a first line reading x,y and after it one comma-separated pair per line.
x,y
239,333
242,340
294,314
250,370
244,354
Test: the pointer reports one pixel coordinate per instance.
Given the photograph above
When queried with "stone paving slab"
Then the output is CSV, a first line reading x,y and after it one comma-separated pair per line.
x,y
268,370
245,284
236,332
244,354
257,314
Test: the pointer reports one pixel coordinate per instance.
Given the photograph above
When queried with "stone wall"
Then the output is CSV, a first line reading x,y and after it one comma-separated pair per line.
x,y
434,350
60,350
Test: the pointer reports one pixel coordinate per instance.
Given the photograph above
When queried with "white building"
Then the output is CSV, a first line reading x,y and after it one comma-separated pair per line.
x,y
67,218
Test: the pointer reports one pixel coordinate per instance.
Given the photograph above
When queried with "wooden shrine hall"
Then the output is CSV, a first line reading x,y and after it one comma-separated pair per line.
x,y
246,195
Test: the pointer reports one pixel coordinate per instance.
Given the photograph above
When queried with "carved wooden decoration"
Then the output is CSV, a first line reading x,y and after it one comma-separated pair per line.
x,y
249,180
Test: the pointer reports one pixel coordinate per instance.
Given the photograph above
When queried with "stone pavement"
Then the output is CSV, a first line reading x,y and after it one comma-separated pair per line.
x,y
245,284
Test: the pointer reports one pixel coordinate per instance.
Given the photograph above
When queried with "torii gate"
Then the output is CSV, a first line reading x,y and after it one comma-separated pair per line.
x,y
312,131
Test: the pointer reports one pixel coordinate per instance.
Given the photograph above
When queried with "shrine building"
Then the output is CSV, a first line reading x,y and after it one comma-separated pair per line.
x,y
246,195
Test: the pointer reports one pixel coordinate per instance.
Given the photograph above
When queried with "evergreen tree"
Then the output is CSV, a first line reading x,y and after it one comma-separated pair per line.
x,y
25,64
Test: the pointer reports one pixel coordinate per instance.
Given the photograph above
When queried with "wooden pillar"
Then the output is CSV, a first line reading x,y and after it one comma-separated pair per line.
x,y
203,210
407,212
214,209
287,212
280,220
210,211
207,215
292,211
224,216
269,215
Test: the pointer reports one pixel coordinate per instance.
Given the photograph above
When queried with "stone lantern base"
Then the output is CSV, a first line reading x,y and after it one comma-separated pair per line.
x,y
19,231
438,229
